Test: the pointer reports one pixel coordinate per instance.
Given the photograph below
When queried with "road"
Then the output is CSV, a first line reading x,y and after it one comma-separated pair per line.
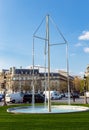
x,y
77,100
1,103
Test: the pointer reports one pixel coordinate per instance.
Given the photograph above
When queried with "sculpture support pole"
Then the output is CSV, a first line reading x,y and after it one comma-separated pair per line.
x,y
33,101
68,73
47,36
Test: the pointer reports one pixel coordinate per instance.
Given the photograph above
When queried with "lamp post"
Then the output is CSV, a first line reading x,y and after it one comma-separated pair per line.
x,y
85,98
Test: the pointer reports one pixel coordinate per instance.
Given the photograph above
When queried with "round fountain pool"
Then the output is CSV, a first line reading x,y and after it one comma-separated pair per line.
x,y
42,109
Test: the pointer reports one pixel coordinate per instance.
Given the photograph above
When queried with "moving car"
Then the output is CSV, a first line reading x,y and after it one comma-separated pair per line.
x,y
28,98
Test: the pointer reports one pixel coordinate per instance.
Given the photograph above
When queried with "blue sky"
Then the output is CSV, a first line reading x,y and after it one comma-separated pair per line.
x,y
19,20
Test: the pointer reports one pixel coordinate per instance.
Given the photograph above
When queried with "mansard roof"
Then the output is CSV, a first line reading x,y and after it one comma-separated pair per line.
x,y
51,74
26,71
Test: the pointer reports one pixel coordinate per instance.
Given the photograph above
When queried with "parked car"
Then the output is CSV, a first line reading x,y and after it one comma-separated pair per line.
x,y
38,98
66,95
54,95
62,94
75,95
1,97
87,94
14,97
81,93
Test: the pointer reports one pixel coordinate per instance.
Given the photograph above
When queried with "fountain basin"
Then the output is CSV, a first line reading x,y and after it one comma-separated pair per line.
x,y
44,110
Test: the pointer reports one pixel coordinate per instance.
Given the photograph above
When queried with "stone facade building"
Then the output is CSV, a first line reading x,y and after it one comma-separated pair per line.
x,y
87,71
22,80
86,77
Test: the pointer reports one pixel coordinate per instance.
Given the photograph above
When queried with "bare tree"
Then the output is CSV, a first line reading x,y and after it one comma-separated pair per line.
x,y
78,83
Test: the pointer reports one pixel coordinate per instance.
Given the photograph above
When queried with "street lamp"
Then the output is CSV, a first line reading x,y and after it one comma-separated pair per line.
x,y
85,98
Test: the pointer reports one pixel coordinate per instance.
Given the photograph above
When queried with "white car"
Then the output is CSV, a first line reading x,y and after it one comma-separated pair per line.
x,y
14,97
53,95
66,95
56,97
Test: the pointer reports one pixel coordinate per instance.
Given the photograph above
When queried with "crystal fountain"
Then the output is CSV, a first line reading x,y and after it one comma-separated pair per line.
x,y
49,109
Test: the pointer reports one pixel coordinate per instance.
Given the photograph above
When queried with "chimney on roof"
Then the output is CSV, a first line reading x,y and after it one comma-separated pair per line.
x,y
20,67
13,70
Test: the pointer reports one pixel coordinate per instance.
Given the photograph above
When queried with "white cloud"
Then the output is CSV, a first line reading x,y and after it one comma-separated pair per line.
x,y
72,54
84,36
81,73
86,49
78,45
